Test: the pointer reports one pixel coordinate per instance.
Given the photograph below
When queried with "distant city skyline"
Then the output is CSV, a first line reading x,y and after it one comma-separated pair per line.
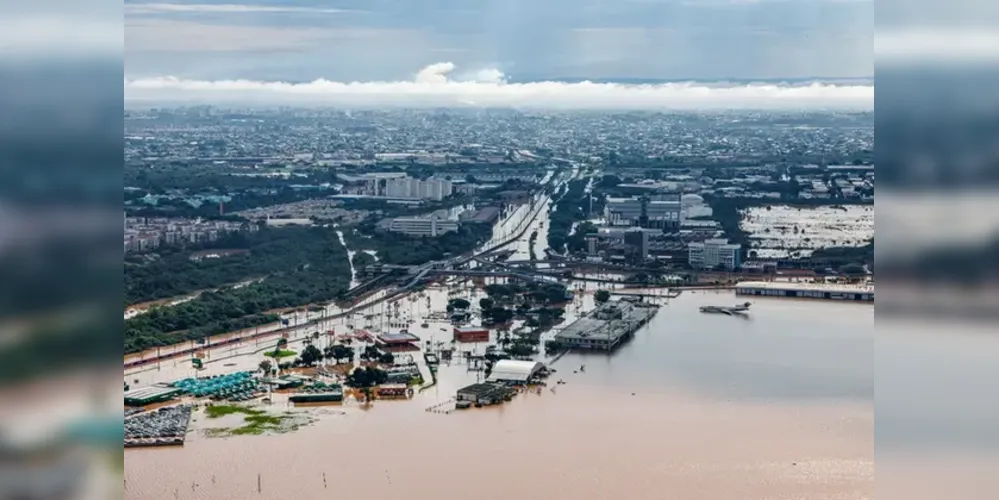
x,y
526,40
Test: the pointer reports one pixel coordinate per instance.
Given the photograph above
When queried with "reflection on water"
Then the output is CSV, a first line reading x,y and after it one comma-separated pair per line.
x,y
695,406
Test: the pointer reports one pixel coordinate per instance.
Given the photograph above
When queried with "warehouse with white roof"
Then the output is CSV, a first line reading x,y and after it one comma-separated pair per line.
x,y
514,371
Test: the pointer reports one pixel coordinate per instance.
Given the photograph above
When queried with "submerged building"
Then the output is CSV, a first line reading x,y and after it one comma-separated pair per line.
x,y
483,394
607,326
511,371
828,291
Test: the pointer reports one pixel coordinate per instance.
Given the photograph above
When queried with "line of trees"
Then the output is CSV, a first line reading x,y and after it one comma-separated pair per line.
x,y
399,249
172,272
321,274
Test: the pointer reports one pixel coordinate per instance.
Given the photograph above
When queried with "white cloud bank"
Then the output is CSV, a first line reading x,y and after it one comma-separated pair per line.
x,y
432,86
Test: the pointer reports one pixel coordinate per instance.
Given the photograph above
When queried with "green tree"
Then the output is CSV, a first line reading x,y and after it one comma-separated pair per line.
x,y
459,303
371,353
311,355
498,314
602,296
486,303
551,347
367,376
340,352
519,349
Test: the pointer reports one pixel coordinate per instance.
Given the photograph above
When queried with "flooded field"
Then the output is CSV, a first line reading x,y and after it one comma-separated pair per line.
x,y
780,231
776,405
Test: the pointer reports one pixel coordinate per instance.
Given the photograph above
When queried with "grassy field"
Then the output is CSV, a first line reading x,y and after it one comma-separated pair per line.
x,y
255,421
280,354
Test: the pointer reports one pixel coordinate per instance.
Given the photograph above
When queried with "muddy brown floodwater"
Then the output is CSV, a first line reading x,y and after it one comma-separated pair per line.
x,y
777,406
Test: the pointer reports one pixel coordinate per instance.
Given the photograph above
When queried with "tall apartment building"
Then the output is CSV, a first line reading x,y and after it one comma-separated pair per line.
x,y
712,253
656,212
415,189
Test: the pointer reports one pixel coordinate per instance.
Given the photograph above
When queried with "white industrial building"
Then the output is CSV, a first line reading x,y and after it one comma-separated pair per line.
x,y
422,226
712,253
514,371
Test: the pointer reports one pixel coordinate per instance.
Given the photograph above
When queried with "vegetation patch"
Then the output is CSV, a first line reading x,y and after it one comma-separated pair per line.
x,y
302,266
283,353
255,422
218,411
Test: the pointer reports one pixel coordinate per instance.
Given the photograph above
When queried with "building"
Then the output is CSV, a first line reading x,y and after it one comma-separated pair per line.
x,y
397,341
713,253
486,215
828,291
606,327
150,395
637,242
511,371
485,394
471,334
432,225
330,394
758,267
411,188
393,391
657,212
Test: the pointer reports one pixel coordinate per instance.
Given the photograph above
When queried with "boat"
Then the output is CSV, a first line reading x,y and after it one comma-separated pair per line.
x,y
737,309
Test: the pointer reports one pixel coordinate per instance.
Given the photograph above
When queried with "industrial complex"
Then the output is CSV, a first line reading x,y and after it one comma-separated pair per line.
x,y
608,326
828,291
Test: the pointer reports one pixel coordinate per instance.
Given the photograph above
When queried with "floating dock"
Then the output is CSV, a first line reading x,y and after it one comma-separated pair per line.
x,y
607,327
825,291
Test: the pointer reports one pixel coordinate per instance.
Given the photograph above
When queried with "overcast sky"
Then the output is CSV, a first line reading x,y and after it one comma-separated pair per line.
x,y
364,40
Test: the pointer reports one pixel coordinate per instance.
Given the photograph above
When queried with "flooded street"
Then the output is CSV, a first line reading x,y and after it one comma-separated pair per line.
x,y
779,405
350,258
